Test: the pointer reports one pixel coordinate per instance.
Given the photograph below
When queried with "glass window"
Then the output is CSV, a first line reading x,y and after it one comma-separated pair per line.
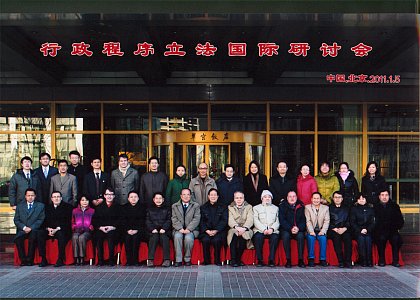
x,y
179,117
15,146
134,145
294,149
126,116
385,117
240,117
25,117
163,153
78,117
339,148
339,117
88,145
296,117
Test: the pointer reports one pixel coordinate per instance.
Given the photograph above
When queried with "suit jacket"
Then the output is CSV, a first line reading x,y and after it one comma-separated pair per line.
x,y
253,196
68,189
59,217
323,218
123,185
80,172
33,219
191,220
45,182
19,184
89,185
197,194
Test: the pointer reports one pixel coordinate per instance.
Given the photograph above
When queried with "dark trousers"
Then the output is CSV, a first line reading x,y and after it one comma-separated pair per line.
x,y
237,248
62,239
364,247
20,245
217,242
395,239
111,237
286,236
163,240
338,241
132,245
259,243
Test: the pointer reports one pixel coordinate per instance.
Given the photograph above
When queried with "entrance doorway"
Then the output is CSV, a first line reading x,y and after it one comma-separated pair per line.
x,y
215,148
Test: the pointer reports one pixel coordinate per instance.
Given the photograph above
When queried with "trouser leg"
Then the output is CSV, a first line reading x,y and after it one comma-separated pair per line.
x,y
286,236
338,245
311,245
322,240
188,245
274,242
153,242
164,240
258,243
206,242
300,237
178,243
396,243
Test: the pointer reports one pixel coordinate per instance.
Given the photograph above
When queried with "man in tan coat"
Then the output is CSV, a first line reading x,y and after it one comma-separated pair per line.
x,y
185,221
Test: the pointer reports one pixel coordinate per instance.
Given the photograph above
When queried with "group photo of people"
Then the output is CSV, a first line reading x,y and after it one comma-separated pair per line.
x,y
77,203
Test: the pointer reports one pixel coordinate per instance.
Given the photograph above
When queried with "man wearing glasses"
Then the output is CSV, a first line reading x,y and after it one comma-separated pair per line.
x,y
201,185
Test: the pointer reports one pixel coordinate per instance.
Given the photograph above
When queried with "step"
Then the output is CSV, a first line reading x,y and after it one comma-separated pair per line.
x,y
411,238
410,248
411,258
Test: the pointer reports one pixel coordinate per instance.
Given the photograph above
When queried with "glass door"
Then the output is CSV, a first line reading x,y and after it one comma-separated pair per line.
x,y
218,158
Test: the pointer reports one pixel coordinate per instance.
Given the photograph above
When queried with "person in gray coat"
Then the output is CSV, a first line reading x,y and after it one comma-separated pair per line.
x,y
185,221
152,182
201,185
64,183
124,179
21,180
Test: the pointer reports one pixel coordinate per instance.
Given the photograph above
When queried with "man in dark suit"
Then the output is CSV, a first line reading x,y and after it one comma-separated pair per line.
x,y
95,183
28,219
44,173
77,169
57,225
65,183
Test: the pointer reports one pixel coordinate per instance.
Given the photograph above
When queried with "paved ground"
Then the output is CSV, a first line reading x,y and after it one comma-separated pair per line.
x,y
209,281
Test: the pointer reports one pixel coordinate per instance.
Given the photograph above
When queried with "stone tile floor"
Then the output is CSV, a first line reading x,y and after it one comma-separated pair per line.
x,y
208,281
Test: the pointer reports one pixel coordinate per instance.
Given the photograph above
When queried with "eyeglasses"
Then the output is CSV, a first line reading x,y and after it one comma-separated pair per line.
x,y
202,168
109,194
338,196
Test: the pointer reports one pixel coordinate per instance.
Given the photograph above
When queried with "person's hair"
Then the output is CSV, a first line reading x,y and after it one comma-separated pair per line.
x,y
158,193
360,195
152,158
62,161
211,190
56,192
382,190
74,152
122,155
132,192
304,164
30,190
317,193
344,163
109,188
25,158
229,166
281,161
368,165
255,163
44,154
181,165
291,191
324,163
82,196
238,192
95,158
337,192
185,189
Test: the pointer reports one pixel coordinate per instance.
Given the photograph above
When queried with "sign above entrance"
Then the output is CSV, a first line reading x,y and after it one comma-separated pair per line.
x,y
214,137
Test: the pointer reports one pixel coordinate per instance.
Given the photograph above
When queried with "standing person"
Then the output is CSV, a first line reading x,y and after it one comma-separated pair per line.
x,y
82,229
44,173
362,222
124,179
133,217
77,169
339,231
185,223
388,221
57,225
21,181
292,225
201,185
254,183
95,183
348,184
327,183
306,185
228,184
180,181
159,224
213,223
266,226
281,183
106,222
241,219
372,183
152,182
65,183
29,217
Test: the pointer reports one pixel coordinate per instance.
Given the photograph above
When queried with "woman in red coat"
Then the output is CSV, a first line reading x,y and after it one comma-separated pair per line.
x,y
306,185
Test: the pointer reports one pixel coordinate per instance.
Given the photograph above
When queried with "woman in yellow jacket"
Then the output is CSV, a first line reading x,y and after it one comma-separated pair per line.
x,y
327,182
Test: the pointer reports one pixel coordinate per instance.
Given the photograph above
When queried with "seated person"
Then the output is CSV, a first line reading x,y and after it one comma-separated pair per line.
x,y
241,219
362,222
266,226
106,221
133,217
317,223
185,221
292,226
388,222
214,219
29,217
57,225
159,225
339,231
82,229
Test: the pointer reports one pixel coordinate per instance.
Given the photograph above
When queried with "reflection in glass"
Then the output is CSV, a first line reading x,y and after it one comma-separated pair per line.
x,y
126,116
78,117
238,117
295,117
162,152
25,117
179,117
195,156
385,117
88,145
219,157
340,117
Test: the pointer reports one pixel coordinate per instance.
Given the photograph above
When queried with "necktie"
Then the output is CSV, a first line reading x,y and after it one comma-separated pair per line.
x,y
28,179
45,173
27,176
30,207
97,183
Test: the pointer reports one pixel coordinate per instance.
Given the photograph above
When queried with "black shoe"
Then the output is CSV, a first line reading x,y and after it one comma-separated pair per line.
x,y
271,263
23,263
311,263
381,264
288,264
177,264
340,265
370,264
234,265
323,263
396,264
260,263
241,264
219,263
101,263
59,263
43,263
187,263
348,265
111,263
301,264
29,263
